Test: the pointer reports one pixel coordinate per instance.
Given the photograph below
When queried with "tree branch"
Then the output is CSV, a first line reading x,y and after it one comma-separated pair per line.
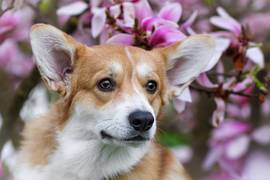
x,y
221,92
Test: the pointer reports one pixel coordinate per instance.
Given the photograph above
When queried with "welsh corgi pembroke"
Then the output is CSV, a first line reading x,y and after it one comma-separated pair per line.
x,y
111,97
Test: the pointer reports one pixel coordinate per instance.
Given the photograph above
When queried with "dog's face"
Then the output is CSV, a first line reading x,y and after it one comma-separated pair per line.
x,y
116,92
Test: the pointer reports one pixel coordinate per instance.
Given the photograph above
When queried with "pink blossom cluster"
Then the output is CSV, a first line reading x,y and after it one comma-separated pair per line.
x,y
233,79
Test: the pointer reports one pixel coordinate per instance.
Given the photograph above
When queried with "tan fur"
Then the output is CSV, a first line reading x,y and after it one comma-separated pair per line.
x,y
90,65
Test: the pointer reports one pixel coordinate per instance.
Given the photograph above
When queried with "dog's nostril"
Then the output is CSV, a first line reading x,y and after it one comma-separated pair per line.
x,y
137,122
141,120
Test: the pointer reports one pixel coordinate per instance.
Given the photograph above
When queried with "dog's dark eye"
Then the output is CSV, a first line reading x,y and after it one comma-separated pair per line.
x,y
106,85
151,86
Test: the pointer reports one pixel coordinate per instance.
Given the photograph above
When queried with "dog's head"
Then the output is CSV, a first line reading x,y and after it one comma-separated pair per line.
x,y
116,92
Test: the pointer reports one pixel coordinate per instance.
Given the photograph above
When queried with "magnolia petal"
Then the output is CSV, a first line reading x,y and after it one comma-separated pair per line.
x,y
230,129
179,105
203,80
219,113
255,54
143,10
183,153
95,3
212,157
262,135
186,25
185,95
121,38
244,84
225,24
171,12
154,22
73,8
225,15
98,21
129,14
115,10
164,36
237,147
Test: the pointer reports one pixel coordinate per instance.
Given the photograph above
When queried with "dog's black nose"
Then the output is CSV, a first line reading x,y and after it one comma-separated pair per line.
x,y
141,120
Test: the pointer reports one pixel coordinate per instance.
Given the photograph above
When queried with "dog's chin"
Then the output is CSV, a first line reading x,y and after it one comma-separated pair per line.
x,y
136,140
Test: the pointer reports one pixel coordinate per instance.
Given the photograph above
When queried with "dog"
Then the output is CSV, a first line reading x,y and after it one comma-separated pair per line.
x,y
104,124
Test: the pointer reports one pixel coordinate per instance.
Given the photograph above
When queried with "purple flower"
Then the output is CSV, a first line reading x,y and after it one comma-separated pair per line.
x,y
121,38
72,9
225,21
13,60
228,144
143,10
8,24
165,36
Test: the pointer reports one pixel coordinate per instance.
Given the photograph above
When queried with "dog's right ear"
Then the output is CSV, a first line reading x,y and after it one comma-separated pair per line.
x,y
54,53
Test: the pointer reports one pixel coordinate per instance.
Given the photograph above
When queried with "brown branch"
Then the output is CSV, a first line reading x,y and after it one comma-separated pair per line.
x,y
221,92
8,8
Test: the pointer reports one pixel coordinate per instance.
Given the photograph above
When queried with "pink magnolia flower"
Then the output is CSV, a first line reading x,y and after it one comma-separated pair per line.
x,y
74,8
8,23
228,144
13,60
15,24
225,21
143,10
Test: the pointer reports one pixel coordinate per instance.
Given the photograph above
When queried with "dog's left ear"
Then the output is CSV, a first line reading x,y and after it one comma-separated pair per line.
x,y
54,53
187,59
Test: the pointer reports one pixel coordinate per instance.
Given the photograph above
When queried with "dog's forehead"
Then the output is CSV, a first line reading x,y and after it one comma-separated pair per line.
x,y
119,59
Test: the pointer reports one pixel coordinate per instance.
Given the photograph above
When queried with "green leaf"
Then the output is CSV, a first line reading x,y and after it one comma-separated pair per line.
x,y
172,139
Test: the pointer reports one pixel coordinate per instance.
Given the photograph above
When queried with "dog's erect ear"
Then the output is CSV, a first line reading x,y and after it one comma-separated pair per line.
x,y
187,59
54,55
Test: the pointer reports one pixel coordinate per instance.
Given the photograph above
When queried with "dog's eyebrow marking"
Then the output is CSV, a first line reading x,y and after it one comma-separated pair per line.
x,y
144,69
116,68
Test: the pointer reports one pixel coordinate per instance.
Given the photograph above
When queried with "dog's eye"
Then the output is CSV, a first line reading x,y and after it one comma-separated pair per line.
x,y
106,85
151,86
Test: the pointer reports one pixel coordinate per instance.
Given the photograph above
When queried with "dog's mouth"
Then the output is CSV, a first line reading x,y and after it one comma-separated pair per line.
x,y
137,138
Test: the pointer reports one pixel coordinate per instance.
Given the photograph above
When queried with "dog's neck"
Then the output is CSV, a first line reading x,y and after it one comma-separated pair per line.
x,y
82,154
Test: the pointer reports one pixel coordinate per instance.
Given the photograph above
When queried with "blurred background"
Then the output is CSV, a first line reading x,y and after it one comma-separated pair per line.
x,y
219,128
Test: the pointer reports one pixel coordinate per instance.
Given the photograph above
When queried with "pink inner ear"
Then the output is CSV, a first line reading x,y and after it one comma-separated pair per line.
x,y
61,63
